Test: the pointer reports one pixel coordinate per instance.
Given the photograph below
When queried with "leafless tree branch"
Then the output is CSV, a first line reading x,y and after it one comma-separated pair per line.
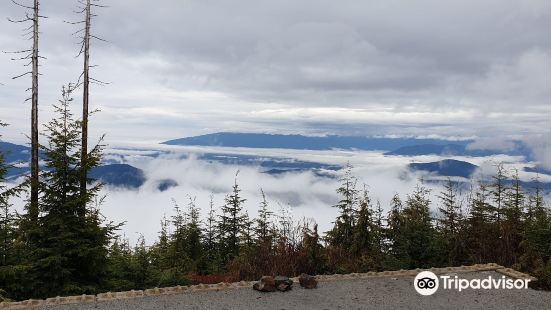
x,y
33,56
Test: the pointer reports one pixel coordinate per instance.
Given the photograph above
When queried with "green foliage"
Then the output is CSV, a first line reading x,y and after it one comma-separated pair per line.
x,y
120,271
482,230
194,236
3,297
212,241
398,257
418,230
70,256
450,226
535,247
231,224
363,229
172,277
8,218
247,232
512,225
543,275
264,227
342,232
13,271
315,260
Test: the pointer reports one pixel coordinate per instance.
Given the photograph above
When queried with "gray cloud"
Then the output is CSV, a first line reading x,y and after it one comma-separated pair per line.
x,y
462,68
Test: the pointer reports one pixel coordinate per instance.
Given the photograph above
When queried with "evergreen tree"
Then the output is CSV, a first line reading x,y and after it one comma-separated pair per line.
x,y
498,191
450,225
193,232
170,256
363,238
160,251
395,234
342,232
512,222
211,239
71,254
179,259
418,230
315,260
263,230
120,267
7,218
247,233
378,247
232,222
369,234
141,265
482,230
535,247
8,230
12,271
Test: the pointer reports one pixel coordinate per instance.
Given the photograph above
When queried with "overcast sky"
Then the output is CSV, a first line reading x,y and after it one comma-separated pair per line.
x,y
185,67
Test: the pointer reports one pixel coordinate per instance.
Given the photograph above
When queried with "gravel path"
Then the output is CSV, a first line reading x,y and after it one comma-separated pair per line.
x,y
374,293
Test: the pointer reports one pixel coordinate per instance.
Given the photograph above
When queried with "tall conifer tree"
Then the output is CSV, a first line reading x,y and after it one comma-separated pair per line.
x,y
342,232
232,222
71,255
263,230
450,225
418,228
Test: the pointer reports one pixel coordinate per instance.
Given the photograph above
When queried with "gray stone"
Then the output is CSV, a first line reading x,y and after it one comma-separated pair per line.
x,y
307,281
266,284
283,283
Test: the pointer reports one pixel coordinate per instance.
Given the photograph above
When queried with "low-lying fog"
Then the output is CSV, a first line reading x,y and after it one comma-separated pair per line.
x,y
304,193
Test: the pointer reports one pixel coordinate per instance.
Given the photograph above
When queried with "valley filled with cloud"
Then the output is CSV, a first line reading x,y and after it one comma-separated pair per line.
x,y
304,193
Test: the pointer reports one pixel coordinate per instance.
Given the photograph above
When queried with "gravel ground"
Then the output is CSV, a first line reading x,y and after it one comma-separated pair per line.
x,y
374,293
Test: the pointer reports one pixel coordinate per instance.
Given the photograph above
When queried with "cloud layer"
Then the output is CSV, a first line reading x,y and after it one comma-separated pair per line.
x,y
178,68
305,194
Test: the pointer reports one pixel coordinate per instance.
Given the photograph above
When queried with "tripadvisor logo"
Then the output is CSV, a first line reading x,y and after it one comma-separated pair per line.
x,y
426,283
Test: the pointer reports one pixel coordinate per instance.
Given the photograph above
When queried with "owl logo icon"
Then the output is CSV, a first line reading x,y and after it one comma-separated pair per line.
x,y
426,283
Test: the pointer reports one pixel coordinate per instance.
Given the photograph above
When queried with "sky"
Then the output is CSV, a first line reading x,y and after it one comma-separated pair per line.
x,y
176,68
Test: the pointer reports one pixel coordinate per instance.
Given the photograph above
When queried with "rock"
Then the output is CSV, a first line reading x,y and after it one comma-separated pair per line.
x,y
266,284
308,281
283,283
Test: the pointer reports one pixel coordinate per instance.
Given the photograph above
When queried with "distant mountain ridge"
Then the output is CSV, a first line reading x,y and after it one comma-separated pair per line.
x,y
391,146
15,152
444,150
538,169
456,149
458,168
446,167
118,175
300,142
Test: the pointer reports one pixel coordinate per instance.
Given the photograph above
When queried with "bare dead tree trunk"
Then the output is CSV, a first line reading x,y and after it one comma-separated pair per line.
x,y
85,98
85,34
31,56
33,211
